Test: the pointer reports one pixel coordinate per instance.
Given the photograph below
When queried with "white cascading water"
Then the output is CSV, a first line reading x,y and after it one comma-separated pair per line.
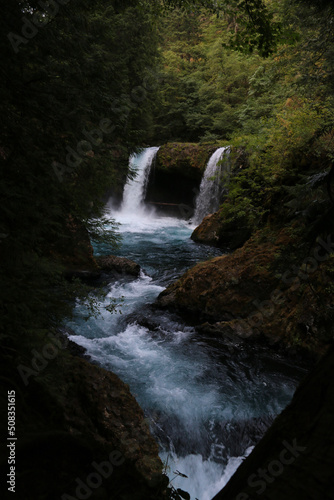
x,y
135,189
205,400
208,198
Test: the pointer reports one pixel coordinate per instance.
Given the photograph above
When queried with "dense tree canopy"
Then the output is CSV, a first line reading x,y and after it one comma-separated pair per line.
x,y
80,89
76,98
279,108
202,85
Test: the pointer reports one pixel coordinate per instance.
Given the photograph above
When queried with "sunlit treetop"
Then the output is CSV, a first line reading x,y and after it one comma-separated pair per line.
x,y
252,23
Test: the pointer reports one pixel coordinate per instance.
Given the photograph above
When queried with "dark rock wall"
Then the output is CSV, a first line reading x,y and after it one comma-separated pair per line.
x,y
176,176
80,432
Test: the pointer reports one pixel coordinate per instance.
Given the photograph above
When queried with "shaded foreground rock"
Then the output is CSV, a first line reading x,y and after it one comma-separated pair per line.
x,y
109,264
74,251
121,265
295,459
80,432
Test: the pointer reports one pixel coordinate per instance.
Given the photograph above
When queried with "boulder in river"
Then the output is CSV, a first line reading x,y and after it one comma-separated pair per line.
x,y
214,231
121,265
82,433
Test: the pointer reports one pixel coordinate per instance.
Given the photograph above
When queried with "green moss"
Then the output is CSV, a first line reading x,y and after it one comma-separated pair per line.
x,y
189,159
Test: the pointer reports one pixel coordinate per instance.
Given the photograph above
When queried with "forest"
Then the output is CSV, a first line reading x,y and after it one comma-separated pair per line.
x,y
84,85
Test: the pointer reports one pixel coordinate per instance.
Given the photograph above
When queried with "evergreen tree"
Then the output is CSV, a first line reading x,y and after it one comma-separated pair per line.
x,y
203,83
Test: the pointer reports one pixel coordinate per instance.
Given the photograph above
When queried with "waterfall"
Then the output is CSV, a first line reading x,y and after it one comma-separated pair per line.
x,y
208,198
135,189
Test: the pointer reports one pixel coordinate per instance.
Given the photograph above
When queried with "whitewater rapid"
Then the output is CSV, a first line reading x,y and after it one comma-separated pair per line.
x,y
207,401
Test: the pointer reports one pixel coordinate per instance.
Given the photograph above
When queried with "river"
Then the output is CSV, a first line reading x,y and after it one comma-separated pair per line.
x,y
208,400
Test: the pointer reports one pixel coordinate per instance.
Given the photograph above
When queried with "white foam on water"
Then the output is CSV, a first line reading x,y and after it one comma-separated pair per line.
x,y
140,289
205,477
187,393
148,222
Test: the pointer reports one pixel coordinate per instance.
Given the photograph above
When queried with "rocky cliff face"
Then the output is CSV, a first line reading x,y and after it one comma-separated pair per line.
x,y
187,159
176,176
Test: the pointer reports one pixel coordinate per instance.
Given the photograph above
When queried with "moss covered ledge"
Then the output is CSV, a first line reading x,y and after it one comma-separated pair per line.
x,y
188,159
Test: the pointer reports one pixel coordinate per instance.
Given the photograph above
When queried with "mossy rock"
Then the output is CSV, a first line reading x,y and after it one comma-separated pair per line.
x,y
214,231
121,265
188,159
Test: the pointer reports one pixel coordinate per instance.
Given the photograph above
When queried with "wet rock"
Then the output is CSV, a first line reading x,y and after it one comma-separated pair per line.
x,y
223,288
215,232
246,294
121,265
187,159
233,330
84,423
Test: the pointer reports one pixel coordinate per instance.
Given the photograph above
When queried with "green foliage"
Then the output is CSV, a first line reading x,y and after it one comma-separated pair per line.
x,y
286,127
202,85
103,230
255,27
92,300
284,149
245,203
252,25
